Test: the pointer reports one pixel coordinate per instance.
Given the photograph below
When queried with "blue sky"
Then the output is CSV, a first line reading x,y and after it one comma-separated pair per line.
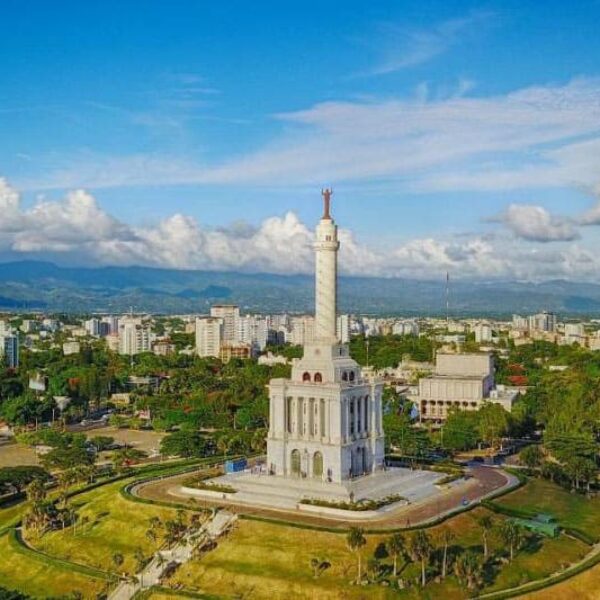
x,y
460,136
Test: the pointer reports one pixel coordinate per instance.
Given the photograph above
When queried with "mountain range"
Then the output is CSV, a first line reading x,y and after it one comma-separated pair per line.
x,y
44,286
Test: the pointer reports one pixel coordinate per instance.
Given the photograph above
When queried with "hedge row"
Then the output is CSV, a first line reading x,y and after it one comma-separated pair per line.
x,y
507,511
165,591
16,543
535,586
582,536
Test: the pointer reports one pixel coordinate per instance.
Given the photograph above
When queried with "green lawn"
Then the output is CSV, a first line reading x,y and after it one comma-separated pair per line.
x,y
34,577
572,510
266,560
115,525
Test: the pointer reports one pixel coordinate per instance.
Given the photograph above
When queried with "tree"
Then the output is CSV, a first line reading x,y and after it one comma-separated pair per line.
x,y
420,550
512,536
140,559
67,458
102,442
183,443
460,430
486,523
492,423
469,570
315,565
396,546
447,537
531,456
355,541
117,559
18,477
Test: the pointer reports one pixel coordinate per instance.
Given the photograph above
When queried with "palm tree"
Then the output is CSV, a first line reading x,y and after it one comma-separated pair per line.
x,y
396,546
151,535
486,523
512,536
469,570
356,540
420,549
117,559
315,564
223,445
447,536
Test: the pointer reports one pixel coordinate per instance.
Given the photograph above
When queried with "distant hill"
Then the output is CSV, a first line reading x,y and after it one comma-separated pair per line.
x,y
46,286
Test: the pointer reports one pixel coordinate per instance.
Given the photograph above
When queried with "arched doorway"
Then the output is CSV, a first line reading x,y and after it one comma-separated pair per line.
x,y
317,469
295,462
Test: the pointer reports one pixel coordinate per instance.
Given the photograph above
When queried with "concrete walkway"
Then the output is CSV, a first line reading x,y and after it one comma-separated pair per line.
x,y
180,554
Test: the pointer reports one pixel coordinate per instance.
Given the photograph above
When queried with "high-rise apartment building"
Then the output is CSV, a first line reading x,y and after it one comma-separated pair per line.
x,y
230,316
209,336
343,329
134,336
9,349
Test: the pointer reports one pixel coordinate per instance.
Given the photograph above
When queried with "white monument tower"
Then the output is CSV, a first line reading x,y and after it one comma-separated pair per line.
x,y
325,422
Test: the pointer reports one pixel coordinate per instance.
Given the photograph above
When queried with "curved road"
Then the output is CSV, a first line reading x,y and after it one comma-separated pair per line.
x,y
485,481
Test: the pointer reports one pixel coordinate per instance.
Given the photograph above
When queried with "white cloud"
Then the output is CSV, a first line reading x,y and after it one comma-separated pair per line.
x,y
76,230
592,216
400,47
537,137
535,223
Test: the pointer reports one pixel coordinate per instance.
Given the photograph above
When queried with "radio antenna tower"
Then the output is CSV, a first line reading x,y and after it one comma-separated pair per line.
x,y
447,298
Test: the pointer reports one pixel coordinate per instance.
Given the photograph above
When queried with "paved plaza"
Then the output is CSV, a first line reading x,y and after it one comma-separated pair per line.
x,y
284,493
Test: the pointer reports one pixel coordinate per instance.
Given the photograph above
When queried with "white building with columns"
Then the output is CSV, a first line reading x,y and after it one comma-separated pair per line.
x,y
326,420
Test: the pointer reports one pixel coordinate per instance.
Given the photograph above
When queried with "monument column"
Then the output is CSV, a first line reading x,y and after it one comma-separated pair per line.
x,y
326,249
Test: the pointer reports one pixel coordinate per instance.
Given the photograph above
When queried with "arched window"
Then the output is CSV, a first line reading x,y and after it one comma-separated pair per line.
x,y
318,378
317,465
306,377
351,375
345,376
295,462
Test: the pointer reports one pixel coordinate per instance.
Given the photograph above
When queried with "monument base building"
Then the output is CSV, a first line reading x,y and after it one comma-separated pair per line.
x,y
325,422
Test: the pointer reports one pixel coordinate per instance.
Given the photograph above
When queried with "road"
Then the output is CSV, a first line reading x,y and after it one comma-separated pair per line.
x,y
485,480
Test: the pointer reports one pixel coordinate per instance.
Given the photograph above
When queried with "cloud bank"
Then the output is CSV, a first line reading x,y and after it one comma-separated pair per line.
x,y
76,230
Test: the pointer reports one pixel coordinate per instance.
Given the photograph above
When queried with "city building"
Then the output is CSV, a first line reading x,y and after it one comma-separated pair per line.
x,y
302,330
229,351
92,327
483,332
163,348
71,348
326,420
134,336
462,381
405,328
9,349
254,331
230,316
209,336
343,329
544,321
574,333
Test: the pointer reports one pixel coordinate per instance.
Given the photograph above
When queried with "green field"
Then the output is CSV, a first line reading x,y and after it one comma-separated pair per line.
x,y
33,576
571,510
115,525
267,560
